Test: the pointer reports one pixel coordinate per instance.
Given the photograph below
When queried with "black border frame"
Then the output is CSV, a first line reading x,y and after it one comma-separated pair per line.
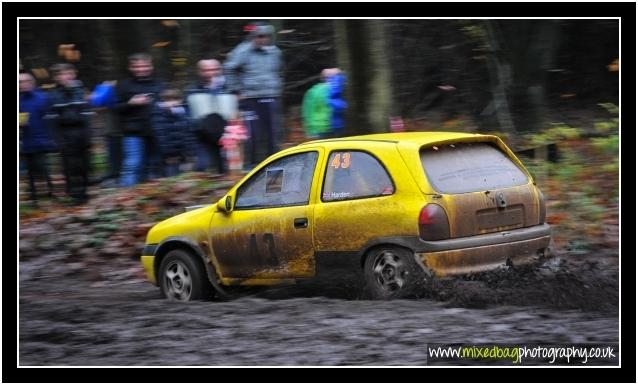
x,y
625,10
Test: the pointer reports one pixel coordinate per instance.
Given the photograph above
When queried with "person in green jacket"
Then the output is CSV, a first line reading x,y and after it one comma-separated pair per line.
x,y
316,111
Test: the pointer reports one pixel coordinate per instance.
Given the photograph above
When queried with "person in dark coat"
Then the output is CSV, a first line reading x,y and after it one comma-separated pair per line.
x,y
70,116
171,129
207,130
135,98
35,135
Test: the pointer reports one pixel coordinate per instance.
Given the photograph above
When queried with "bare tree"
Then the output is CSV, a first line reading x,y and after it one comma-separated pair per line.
x,y
363,54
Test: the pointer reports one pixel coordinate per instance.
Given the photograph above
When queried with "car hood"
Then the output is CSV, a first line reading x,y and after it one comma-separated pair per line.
x,y
188,224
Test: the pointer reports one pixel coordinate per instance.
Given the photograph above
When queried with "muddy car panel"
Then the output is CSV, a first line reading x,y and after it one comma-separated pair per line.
x,y
270,245
187,230
347,225
483,252
259,245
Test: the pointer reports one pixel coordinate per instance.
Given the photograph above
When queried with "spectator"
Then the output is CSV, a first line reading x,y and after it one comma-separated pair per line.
x,y
209,128
234,135
337,84
35,137
104,97
253,72
315,109
171,129
70,117
135,98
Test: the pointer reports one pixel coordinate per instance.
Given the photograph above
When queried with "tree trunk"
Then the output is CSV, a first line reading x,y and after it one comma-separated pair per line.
x,y
107,55
500,79
362,54
540,57
380,97
183,53
529,48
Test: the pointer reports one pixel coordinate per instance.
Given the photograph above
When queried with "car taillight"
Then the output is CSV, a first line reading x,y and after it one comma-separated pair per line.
x,y
542,211
433,223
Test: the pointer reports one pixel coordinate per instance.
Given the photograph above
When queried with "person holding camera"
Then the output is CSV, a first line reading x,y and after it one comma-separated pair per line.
x,y
135,98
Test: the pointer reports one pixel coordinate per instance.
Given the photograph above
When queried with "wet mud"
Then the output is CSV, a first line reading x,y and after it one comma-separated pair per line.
x,y
112,316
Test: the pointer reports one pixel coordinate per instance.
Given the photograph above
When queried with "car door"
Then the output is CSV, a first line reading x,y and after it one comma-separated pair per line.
x,y
357,202
268,233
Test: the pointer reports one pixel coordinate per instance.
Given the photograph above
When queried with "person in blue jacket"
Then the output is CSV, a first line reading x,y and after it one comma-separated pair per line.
x,y
35,136
336,84
104,96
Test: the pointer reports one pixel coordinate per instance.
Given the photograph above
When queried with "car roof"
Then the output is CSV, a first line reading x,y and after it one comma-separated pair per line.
x,y
408,138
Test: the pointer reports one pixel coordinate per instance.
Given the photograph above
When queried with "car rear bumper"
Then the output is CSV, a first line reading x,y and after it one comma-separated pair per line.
x,y
483,252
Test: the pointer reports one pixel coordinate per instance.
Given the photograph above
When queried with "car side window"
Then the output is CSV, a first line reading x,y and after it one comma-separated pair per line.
x,y
354,174
284,182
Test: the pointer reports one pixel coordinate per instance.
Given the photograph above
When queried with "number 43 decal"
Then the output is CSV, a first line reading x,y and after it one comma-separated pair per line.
x,y
341,160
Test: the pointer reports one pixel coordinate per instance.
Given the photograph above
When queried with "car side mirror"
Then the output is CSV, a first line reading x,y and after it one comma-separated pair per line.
x,y
225,204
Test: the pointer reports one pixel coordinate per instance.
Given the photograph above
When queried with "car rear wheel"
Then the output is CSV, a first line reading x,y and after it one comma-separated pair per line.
x,y
182,278
392,272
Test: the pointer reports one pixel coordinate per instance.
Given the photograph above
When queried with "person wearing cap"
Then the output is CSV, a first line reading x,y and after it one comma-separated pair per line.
x,y
253,73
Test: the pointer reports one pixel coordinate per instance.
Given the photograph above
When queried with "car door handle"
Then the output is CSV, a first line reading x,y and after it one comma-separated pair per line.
x,y
301,223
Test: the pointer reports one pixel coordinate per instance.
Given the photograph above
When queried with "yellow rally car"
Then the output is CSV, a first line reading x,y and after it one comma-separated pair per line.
x,y
398,208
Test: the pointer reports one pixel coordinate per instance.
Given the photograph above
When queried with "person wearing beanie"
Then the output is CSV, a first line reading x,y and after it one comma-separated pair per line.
x,y
253,73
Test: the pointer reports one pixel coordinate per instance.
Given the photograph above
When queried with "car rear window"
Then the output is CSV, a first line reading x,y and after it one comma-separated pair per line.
x,y
467,167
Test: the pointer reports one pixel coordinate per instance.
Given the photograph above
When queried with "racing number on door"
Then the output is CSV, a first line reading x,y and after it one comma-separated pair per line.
x,y
341,160
269,260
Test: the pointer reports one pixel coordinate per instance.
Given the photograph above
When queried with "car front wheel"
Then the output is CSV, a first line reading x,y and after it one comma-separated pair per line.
x,y
182,278
392,272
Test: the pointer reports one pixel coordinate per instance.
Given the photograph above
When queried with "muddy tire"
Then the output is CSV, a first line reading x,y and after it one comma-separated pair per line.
x,y
392,272
182,277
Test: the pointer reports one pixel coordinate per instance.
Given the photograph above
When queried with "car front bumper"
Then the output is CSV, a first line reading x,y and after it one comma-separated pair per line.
x,y
483,252
148,262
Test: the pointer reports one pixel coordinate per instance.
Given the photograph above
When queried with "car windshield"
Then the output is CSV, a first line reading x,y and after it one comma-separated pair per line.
x,y
468,167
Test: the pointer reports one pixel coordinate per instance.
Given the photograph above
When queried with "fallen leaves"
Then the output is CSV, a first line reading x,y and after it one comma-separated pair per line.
x,y
109,232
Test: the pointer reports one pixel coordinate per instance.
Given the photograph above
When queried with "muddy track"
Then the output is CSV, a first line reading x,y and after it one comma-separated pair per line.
x,y
68,317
